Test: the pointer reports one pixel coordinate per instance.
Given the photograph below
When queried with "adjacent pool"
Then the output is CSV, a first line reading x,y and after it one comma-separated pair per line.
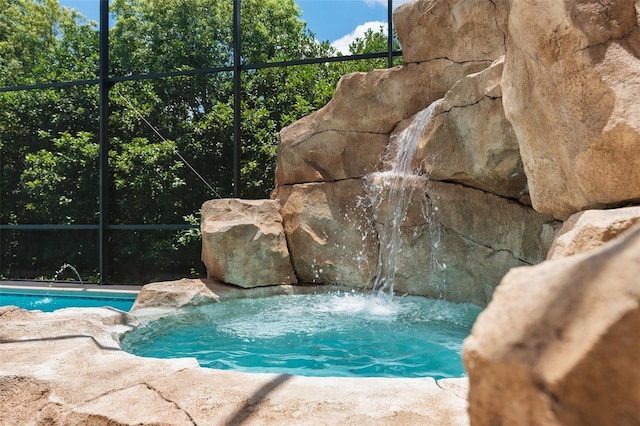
x,y
49,299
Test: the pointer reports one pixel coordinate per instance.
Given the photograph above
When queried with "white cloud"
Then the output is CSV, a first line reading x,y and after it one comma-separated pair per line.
x,y
396,3
342,44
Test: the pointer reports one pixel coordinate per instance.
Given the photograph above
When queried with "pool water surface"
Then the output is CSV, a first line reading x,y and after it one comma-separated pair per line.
x,y
49,300
316,335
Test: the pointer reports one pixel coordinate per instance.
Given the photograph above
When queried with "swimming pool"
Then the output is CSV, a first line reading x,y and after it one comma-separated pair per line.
x,y
48,299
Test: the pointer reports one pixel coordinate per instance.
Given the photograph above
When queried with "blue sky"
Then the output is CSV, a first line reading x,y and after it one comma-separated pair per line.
x,y
337,21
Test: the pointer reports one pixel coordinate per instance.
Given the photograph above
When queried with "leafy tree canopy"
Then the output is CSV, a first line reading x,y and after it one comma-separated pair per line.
x,y
161,130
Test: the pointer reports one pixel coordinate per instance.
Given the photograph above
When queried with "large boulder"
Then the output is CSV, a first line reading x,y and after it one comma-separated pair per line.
x,y
469,140
374,102
570,89
559,342
439,263
513,227
591,229
330,232
329,156
460,30
444,245
243,243
346,137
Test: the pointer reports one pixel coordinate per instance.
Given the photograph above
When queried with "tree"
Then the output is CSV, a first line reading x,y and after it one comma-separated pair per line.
x,y
161,130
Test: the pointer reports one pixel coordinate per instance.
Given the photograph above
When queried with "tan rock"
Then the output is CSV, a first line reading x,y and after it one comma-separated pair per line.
x,y
469,140
159,298
330,232
493,221
328,156
559,343
570,88
591,229
243,243
437,262
22,400
174,294
460,30
457,242
374,102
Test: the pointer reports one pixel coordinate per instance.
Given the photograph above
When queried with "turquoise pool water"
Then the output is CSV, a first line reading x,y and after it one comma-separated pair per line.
x,y
48,300
316,335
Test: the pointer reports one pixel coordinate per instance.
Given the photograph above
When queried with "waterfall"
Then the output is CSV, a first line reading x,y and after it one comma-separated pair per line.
x,y
399,184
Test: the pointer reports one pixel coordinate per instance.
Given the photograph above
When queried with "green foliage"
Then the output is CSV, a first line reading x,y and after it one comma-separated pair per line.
x,y
42,42
59,184
166,135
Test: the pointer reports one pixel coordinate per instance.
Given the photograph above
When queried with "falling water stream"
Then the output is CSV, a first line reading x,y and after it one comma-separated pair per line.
x,y
401,181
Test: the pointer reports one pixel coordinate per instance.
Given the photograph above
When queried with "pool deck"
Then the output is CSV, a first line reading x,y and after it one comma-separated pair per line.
x,y
66,367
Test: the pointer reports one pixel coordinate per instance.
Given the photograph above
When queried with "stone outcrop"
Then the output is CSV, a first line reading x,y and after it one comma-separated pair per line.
x,y
591,229
460,30
449,249
330,232
329,156
469,140
570,85
558,344
514,227
328,161
374,102
243,243
66,367
534,117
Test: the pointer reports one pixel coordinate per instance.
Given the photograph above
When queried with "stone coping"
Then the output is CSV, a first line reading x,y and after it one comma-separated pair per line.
x,y
66,367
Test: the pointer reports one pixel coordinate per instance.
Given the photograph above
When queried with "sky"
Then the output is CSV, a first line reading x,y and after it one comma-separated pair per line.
x,y
336,21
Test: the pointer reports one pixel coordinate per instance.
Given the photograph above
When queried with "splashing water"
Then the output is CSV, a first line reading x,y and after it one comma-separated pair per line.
x,y
401,181
63,268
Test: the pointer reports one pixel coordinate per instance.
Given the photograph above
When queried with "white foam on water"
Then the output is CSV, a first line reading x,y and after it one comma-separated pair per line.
x,y
43,301
307,315
361,304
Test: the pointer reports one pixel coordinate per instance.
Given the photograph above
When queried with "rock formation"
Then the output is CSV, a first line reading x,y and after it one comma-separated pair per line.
x,y
534,113
591,229
534,119
330,193
459,30
322,220
469,140
559,343
243,243
570,89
